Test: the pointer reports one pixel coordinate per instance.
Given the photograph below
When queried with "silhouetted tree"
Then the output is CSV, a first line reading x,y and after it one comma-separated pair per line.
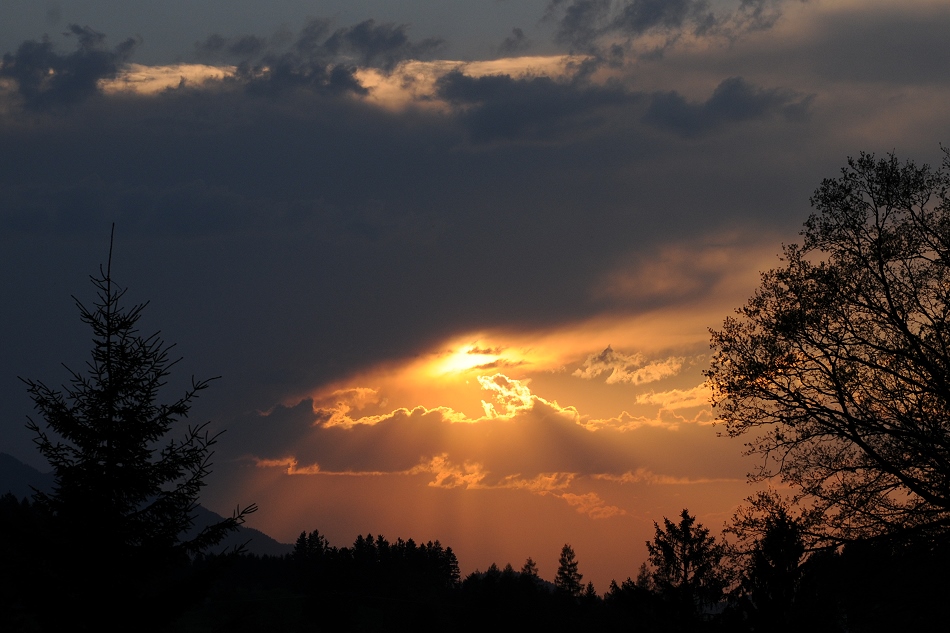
x,y
124,496
530,568
686,564
644,578
590,593
841,359
770,553
311,546
633,604
568,579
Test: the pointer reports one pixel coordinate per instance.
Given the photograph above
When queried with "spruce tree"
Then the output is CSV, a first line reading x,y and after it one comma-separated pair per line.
x,y
686,564
568,579
124,494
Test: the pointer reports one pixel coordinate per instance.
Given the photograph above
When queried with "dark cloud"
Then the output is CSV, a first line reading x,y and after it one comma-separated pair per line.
x,y
733,100
246,46
380,45
639,16
213,45
585,24
582,22
316,57
46,79
275,75
286,242
311,37
272,234
514,43
758,15
532,108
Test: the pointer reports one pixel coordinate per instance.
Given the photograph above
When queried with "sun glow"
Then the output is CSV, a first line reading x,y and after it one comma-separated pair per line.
x,y
465,359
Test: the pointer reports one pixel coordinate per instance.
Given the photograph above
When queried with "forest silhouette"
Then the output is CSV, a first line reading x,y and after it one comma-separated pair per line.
x,y
842,364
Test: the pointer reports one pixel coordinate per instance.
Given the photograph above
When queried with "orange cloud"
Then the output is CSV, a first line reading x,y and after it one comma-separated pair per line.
x,y
624,368
698,396
449,475
148,80
646,476
592,505
472,476
412,83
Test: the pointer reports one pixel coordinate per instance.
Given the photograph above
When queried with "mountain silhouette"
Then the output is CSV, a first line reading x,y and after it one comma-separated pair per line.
x,y
21,480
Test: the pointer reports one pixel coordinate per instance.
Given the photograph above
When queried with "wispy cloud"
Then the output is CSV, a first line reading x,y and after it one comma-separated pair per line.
x,y
645,476
592,505
699,396
473,476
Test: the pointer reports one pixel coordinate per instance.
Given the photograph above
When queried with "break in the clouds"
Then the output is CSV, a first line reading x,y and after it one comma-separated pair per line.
x,y
475,285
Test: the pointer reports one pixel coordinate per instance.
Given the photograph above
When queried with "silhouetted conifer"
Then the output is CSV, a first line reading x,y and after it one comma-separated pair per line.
x,y
568,579
530,568
124,495
686,565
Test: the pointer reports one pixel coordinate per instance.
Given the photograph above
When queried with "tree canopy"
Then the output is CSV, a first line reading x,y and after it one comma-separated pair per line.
x,y
840,361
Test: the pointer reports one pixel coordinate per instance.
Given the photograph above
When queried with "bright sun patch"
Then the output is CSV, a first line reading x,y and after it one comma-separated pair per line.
x,y
465,359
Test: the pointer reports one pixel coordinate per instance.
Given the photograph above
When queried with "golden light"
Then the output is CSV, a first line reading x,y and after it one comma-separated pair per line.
x,y
466,358
150,80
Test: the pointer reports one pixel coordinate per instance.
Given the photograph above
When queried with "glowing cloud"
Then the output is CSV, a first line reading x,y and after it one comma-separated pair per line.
x,y
413,82
678,398
140,79
592,505
512,395
645,476
449,475
622,368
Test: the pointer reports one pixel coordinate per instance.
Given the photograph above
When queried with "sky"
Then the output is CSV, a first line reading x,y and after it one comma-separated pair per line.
x,y
455,262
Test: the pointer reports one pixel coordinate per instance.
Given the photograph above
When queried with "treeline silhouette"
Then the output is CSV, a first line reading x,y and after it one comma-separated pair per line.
x,y
697,584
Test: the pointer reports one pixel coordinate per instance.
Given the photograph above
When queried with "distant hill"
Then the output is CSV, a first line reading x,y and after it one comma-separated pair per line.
x,y
256,541
21,479
17,478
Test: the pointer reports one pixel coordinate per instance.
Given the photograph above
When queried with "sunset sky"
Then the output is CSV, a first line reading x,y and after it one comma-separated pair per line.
x,y
455,262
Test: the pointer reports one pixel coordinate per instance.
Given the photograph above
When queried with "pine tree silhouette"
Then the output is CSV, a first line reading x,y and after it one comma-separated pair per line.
x,y
124,495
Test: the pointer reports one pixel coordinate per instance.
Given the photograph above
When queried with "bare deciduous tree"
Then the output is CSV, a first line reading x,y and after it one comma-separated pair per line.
x,y
839,364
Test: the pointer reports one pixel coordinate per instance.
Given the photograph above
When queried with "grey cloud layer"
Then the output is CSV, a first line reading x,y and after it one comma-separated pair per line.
x,y
289,232
587,24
